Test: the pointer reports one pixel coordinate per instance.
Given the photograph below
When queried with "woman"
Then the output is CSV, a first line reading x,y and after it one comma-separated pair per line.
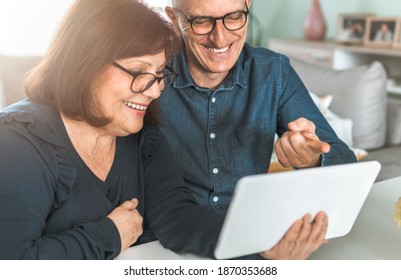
x,y
81,178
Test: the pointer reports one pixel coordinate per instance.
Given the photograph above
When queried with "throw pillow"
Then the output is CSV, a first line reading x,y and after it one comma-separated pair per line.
x,y
359,94
393,136
1,95
341,126
12,72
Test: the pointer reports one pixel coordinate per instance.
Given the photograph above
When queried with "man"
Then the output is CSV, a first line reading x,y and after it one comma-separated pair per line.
x,y
384,34
222,113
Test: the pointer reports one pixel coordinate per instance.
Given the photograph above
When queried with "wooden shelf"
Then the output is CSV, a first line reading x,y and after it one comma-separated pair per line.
x,y
340,56
342,46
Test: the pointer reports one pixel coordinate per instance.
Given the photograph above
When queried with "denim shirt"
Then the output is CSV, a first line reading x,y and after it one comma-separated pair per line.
x,y
219,136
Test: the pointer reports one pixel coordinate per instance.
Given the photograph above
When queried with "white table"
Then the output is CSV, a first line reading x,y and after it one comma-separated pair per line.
x,y
154,251
374,236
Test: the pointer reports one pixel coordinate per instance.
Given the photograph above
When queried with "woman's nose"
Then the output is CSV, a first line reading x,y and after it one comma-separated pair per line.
x,y
154,91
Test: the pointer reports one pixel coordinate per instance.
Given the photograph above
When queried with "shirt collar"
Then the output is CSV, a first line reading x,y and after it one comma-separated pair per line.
x,y
237,75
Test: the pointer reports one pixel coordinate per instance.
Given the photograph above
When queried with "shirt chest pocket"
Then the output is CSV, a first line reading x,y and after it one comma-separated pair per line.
x,y
252,148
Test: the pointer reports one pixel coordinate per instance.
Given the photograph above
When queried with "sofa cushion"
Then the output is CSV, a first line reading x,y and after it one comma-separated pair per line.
x,y
12,73
2,102
393,136
358,94
342,127
390,159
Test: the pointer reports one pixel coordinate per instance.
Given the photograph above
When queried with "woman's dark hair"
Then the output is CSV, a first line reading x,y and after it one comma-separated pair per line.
x,y
93,34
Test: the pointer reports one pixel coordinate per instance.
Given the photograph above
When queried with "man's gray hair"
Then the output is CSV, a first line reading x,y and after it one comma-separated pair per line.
x,y
175,3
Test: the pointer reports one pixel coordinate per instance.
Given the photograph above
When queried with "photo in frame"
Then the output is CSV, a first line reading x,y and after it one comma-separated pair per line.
x,y
397,42
351,28
381,31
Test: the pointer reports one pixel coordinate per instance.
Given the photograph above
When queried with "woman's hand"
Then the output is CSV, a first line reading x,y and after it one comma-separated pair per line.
x,y
301,240
128,222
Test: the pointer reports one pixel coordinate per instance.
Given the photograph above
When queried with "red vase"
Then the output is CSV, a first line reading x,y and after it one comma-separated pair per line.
x,y
315,24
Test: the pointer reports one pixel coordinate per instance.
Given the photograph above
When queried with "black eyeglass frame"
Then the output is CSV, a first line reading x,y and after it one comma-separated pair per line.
x,y
135,75
214,19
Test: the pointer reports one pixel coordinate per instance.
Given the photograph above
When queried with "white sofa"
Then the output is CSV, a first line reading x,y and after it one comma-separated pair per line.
x,y
359,94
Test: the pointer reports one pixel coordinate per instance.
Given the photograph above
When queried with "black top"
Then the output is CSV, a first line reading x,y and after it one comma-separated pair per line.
x,y
53,207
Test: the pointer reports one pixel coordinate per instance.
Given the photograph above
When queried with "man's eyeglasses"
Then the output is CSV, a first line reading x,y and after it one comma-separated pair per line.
x,y
142,81
203,25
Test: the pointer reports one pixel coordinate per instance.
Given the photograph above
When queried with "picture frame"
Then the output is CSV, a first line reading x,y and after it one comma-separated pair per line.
x,y
381,31
397,42
351,28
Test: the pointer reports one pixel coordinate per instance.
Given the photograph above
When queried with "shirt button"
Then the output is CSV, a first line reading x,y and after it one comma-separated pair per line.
x,y
215,170
212,135
215,199
213,99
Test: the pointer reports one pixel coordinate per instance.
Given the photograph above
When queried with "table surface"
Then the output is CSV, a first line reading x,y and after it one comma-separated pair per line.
x,y
374,236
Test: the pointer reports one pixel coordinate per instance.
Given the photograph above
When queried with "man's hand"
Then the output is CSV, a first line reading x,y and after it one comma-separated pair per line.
x,y
300,147
301,240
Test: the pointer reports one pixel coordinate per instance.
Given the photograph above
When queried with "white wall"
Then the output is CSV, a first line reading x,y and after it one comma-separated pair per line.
x,y
284,18
27,26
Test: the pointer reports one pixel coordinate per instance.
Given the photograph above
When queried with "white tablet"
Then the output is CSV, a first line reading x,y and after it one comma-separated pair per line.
x,y
264,206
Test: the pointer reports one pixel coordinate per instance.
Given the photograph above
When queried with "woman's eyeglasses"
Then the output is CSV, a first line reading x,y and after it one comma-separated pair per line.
x,y
142,81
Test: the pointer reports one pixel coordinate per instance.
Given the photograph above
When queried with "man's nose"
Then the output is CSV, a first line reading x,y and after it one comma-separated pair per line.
x,y
219,34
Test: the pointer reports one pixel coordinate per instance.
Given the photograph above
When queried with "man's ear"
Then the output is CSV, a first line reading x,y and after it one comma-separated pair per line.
x,y
249,2
172,16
